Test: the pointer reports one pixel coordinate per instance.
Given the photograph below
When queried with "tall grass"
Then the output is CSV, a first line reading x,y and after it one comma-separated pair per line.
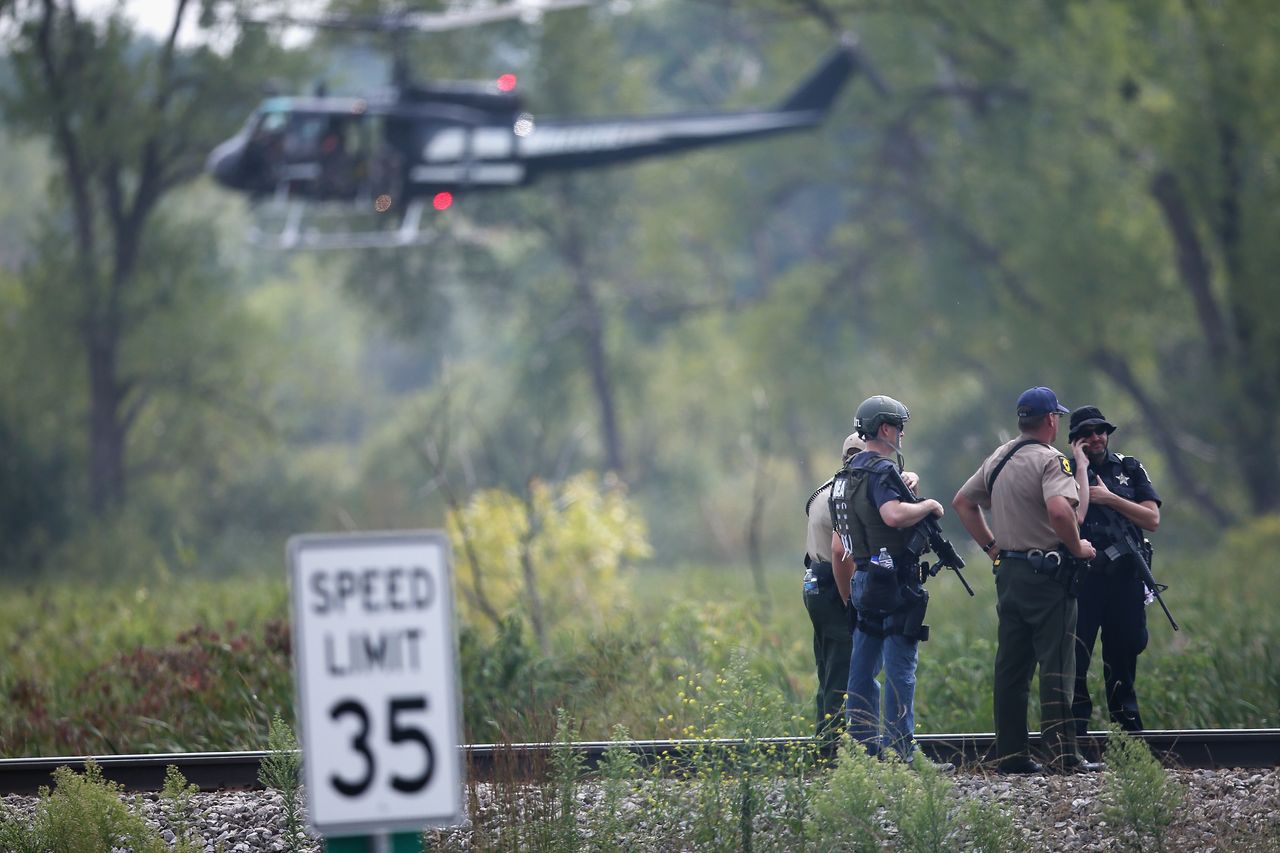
x,y
201,665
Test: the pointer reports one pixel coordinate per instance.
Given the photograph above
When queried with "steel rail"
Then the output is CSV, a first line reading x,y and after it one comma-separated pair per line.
x,y
218,771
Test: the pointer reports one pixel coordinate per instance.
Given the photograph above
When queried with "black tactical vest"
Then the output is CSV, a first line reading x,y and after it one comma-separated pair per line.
x,y
854,516
1106,526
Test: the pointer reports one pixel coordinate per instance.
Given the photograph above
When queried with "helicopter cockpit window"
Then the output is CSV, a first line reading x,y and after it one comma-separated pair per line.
x,y
265,149
273,123
302,140
267,130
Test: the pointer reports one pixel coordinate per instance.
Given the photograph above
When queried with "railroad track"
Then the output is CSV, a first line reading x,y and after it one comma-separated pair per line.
x,y
216,771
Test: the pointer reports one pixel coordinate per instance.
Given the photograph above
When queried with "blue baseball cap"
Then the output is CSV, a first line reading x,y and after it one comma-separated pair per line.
x,y
1040,401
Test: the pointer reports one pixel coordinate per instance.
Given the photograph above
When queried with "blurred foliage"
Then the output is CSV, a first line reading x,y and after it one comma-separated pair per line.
x,y
1066,195
576,538
1075,194
188,664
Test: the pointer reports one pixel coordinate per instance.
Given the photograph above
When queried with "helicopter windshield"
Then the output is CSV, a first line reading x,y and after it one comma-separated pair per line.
x,y
323,153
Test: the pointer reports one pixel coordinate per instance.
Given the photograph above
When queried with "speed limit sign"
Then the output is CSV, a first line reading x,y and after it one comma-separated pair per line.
x,y
377,681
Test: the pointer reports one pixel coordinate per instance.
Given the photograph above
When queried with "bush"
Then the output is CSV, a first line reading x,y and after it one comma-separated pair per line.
x,y
1137,794
205,692
85,814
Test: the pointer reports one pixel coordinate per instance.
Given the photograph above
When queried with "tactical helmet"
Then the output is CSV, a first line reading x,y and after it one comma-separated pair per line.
x,y
877,410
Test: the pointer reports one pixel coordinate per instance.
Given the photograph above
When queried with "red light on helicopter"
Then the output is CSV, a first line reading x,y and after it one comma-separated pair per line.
x,y
506,82
442,201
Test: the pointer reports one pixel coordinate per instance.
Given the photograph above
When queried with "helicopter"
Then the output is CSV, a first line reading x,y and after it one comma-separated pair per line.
x,y
420,143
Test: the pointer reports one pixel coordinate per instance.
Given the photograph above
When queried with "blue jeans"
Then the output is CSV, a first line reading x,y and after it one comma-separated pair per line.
x,y
897,656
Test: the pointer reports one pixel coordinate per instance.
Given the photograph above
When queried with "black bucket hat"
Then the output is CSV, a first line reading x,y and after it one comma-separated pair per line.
x,y
1085,417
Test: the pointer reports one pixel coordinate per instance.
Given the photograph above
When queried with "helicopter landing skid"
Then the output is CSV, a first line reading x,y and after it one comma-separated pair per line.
x,y
297,234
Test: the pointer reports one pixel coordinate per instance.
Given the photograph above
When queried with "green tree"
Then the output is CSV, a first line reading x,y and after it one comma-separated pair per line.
x,y
128,122
1091,183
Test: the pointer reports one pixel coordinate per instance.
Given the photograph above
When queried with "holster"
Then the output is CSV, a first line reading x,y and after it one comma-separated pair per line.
x,y
823,571
912,617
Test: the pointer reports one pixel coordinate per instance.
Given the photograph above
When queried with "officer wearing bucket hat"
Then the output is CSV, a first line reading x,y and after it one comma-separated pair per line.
x,y
826,597
1122,503
1036,498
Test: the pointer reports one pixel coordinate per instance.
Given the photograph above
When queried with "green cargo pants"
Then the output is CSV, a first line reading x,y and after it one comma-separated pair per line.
x,y
1037,627
832,647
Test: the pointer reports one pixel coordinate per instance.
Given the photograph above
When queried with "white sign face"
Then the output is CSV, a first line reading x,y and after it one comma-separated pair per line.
x,y
377,675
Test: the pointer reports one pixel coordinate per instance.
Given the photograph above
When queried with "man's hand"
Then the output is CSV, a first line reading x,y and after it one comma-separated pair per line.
x,y
911,478
1086,551
1101,495
1081,476
935,508
1077,451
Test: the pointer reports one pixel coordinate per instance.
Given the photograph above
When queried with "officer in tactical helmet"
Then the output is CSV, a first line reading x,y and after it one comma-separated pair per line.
x,y
872,520
1112,595
826,599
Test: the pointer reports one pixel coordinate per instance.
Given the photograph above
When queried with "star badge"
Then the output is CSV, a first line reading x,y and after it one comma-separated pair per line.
x,y
1123,479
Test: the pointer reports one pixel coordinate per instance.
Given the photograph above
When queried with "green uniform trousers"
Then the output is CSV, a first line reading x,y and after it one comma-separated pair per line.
x,y
832,647
1037,627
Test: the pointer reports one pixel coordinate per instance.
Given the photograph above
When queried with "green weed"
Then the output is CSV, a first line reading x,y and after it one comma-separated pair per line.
x,y
1137,794
845,805
619,772
920,804
990,829
281,770
176,799
567,766
84,813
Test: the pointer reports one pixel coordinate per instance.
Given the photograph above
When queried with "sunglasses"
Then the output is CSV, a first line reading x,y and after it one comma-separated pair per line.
x,y
1089,432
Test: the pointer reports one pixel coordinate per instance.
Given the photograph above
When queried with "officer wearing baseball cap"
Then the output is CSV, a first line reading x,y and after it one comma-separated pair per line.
x,y
1122,504
1036,498
827,600
1038,401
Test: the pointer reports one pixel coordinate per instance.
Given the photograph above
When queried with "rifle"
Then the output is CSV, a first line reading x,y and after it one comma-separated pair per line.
x,y
1123,544
1117,530
927,535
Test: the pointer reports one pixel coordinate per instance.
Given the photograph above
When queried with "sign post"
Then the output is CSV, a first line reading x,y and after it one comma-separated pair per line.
x,y
377,682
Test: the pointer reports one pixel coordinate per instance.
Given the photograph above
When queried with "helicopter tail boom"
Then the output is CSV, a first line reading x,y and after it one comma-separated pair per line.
x,y
818,92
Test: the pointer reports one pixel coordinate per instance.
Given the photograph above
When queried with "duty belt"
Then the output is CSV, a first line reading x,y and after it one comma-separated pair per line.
x,y
1039,558
1051,564
822,571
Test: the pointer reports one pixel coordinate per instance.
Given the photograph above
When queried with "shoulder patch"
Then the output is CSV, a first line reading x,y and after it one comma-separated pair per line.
x,y
1066,466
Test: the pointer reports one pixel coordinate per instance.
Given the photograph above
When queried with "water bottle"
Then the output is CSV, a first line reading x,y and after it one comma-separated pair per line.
x,y
810,582
884,560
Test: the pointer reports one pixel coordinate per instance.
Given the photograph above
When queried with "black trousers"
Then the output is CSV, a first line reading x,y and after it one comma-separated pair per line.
x,y
832,648
1113,604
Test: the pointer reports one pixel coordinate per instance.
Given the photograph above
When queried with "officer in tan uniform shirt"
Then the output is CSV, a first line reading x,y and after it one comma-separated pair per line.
x,y
1037,499
826,598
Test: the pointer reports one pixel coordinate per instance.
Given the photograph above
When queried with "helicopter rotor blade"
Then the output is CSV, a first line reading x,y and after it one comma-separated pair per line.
x,y
427,22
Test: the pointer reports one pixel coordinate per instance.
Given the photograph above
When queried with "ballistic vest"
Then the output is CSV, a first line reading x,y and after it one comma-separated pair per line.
x,y
855,518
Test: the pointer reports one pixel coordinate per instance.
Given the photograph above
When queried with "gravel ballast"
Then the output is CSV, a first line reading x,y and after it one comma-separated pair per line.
x,y
1225,810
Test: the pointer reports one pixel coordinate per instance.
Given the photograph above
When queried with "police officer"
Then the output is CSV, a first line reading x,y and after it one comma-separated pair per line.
x,y
1037,499
828,604
870,514
1112,594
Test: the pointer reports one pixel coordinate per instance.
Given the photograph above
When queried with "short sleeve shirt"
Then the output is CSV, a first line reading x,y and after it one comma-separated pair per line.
x,y
1129,481
1019,498
878,487
818,537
